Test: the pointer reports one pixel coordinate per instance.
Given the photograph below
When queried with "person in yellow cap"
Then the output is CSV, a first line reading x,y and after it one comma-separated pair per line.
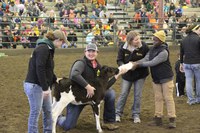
x,y
161,71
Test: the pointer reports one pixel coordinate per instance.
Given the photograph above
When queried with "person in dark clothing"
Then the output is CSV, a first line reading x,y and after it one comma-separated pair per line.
x,y
39,80
32,39
83,71
72,38
180,79
190,62
161,72
133,50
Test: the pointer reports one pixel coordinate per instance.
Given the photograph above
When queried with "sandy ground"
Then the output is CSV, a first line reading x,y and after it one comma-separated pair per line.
x,y
15,109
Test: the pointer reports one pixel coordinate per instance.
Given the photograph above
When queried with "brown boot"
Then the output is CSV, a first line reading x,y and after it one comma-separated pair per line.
x,y
172,122
157,121
109,126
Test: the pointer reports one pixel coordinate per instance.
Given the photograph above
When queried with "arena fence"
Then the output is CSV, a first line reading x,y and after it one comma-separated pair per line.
x,y
12,36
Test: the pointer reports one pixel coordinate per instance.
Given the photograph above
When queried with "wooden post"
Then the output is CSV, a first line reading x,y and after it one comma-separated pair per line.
x,y
160,14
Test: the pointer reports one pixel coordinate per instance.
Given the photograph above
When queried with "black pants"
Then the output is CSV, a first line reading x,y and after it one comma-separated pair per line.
x,y
180,87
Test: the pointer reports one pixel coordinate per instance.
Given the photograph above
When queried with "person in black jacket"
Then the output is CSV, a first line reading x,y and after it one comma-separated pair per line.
x,y
39,80
190,62
180,79
82,72
72,38
133,50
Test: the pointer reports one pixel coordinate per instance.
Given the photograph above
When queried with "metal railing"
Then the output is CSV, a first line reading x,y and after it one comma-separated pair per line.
x,y
146,30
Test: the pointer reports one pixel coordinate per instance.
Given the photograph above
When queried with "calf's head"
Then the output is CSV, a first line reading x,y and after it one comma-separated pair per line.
x,y
107,72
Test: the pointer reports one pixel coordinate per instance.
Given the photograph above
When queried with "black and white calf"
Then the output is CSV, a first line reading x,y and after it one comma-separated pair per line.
x,y
66,91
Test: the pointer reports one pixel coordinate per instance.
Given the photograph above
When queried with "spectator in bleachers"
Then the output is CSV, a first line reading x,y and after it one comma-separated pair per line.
x,y
83,19
16,18
137,5
59,4
78,21
129,28
101,2
149,5
36,12
35,29
13,8
24,40
30,8
195,3
103,12
179,11
144,17
137,18
40,5
172,7
7,37
84,10
32,39
93,16
3,5
51,19
122,36
166,8
16,37
65,21
71,18
42,17
63,13
104,20
1,13
86,26
92,23
21,8
110,18
90,37
5,22
107,34
72,38
97,32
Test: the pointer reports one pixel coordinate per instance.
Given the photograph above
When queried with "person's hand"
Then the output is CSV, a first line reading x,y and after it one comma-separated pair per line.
x,y
125,67
181,68
121,71
90,91
46,93
135,65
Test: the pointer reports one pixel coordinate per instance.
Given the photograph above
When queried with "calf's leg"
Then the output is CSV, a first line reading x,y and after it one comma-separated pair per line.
x,y
65,99
96,109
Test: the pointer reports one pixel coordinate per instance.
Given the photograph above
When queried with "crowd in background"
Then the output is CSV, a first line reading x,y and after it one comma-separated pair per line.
x,y
23,22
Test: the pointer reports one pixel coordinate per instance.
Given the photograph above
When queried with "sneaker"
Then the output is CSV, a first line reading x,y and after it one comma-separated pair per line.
x,y
137,120
118,119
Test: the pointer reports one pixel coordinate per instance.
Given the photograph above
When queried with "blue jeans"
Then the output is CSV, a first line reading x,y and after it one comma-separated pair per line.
x,y
192,71
37,103
125,89
73,112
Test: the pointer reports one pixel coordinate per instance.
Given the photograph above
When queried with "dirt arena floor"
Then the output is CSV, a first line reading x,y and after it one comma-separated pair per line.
x,y
15,109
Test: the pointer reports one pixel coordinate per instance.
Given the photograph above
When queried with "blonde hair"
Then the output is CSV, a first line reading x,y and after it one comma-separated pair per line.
x,y
130,36
50,36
